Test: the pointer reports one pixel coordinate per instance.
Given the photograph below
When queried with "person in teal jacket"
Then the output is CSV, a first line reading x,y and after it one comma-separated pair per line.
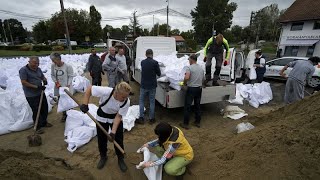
x,y
214,48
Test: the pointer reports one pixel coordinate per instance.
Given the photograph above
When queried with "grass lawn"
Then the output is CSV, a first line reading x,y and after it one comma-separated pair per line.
x,y
14,53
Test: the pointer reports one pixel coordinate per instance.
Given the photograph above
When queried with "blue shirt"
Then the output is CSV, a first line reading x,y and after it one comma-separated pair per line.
x,y
33,77
149,71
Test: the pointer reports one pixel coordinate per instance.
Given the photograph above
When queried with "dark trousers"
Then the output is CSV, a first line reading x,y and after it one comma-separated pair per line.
x,y
260,77
34,104
103,140
192,94
219,60
96,79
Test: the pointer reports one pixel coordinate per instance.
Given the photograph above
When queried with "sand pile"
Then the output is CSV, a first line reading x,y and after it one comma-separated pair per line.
x,y
17,165
284,145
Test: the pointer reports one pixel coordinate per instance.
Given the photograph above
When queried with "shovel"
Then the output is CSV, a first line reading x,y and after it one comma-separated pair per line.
x,y
35,139
97,123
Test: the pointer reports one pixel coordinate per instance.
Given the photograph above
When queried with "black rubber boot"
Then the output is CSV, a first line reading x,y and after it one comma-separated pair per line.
x,y
102,162
122,165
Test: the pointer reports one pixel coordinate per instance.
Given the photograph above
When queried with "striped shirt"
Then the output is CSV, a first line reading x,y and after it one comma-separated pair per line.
x,y
166,155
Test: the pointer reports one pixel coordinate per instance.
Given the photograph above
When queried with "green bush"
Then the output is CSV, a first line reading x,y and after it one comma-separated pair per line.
x,y
57,48
25,48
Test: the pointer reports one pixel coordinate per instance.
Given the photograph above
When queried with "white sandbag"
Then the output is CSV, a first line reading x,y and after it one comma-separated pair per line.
x,y
65,102
79,136
80,84
242,127
234,112
252,73
3,79
74,120
152,173
238,98
163,79
129,119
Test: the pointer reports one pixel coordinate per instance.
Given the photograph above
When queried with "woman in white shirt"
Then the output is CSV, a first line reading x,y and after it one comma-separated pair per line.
x,y
113,104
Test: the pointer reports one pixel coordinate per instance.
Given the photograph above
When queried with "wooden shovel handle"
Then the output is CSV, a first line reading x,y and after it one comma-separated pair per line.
x,y
97,123
39,110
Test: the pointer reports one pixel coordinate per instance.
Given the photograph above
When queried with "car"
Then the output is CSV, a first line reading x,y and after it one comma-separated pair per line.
x,y
87,44
273,68
3,44
100,45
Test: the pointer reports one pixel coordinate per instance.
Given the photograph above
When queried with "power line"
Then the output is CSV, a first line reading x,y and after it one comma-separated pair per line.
x,y
22,15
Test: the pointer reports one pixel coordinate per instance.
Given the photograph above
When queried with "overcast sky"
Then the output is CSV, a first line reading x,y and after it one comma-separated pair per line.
x,y
121,8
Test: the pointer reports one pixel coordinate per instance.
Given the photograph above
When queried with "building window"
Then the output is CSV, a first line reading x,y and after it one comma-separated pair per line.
x,y
291,51
310,51
297,26
316,25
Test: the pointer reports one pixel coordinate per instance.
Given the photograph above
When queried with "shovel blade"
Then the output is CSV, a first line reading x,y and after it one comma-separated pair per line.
x,y
34,140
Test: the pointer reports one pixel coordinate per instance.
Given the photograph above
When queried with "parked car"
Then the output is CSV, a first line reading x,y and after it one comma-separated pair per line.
x,y
63,42
87,44
3,44
274,67
100,45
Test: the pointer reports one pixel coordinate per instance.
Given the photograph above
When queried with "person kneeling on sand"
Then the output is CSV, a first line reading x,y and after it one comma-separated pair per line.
x,y
113,105
173,146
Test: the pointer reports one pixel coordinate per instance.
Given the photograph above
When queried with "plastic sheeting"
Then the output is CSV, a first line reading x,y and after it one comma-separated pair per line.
x,y
152,173
256,94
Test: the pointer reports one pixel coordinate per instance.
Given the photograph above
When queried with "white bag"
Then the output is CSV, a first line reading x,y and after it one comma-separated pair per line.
x,y
252,74
242,127
65,102
79,136
80,84
129,119
152,173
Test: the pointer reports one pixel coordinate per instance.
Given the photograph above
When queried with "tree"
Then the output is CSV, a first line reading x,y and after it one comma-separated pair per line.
x,y
209,12
95,30
40,31
175,32
135,27
236,32
188,34
160,29
18,33
125,29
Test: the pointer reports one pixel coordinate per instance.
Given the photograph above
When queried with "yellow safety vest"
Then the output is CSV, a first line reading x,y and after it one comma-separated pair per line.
x,y
184,149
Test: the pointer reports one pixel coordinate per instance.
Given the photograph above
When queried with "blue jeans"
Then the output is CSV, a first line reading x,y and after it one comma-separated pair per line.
x,y
152,97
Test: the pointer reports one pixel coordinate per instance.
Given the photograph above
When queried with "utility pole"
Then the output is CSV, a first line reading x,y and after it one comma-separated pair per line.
x,y
153,26
134,23
258,31
4,31
251,19
214,32
66,24
158,28
167,18
10,31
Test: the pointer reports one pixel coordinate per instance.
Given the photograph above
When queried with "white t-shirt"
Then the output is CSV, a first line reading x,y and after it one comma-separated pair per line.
x,y
112,107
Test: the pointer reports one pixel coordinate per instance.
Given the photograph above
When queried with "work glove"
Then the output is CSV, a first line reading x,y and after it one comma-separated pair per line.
x,y
41,88
112,135
45,82
225,63
84,108
58,84
181,83
205,59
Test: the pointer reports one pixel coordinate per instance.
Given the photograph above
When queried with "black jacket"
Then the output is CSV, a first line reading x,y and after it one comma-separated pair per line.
x,y
149,71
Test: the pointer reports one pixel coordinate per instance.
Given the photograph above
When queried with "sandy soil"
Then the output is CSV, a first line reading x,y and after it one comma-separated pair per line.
x,y
284,145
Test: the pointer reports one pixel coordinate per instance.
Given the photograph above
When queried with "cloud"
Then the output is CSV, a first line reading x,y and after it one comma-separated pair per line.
x,y
121,8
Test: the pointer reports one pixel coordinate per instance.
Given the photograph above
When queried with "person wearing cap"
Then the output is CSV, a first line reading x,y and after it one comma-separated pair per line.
x,y
62,75
193,79
173,149
149,71
95,68
31,79
113,105
214,49
259,65
301,71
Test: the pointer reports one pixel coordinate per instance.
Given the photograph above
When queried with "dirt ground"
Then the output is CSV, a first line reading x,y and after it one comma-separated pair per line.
x,y
284,145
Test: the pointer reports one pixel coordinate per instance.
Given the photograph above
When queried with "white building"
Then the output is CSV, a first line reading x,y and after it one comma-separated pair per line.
x,y
300,34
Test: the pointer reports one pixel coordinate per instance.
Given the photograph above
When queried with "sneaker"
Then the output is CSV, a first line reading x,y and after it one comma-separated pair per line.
x,y
48,125
40,131
102,162
197,124
152,121
140,121
185,126
122,165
